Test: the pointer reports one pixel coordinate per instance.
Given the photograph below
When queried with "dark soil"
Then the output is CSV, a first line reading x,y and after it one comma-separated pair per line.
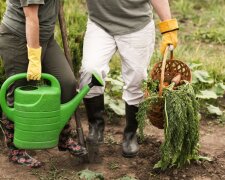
x,y
61,165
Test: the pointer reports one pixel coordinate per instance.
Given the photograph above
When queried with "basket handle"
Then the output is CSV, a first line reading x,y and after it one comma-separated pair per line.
x,y
168,48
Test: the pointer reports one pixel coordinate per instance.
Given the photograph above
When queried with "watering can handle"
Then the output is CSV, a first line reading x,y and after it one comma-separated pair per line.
x,y
8,110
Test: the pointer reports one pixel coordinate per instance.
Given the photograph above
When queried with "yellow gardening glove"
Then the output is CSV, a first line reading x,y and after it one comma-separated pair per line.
x,y
168,30
34,66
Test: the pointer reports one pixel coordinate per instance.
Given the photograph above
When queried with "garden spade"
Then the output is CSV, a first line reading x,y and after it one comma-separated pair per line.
x,y
93,150
62,24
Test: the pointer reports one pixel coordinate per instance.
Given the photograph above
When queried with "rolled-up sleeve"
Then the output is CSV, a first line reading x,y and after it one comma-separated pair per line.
x,y
25,3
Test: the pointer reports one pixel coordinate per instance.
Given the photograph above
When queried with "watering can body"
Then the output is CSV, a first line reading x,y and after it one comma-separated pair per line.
x,y
37,117
38,114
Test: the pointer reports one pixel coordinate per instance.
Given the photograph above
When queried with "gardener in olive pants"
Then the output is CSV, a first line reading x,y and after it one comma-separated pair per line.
x,y
126,26
27,45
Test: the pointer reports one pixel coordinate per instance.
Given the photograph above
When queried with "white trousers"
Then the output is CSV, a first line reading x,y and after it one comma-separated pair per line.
x,y
135,50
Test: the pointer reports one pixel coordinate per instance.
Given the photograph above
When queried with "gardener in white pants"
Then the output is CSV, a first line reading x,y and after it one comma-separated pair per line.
x,y
126,26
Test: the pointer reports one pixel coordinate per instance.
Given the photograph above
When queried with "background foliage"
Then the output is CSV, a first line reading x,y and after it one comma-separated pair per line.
x,y
76,17
2,8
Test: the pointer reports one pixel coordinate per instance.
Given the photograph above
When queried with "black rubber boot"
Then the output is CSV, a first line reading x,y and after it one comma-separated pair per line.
x,y
95,108
130,146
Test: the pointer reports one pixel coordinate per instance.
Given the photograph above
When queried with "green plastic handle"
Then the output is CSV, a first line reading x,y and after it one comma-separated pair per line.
x,y
10,111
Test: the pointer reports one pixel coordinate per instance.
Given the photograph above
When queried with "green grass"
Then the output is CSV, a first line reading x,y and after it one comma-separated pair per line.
x,y
201,35
203,40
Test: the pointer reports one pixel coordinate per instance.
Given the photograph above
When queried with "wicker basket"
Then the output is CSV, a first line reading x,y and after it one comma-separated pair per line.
x,y
165,71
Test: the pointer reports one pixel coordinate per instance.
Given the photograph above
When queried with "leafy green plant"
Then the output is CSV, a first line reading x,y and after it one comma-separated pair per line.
x,y
116,105
219,89
114,87
150,87
210,93
181,122
201,76
207,94
214,110
181,127
90,175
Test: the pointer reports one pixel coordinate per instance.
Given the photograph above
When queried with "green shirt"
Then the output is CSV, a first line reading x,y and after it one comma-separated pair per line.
x,y
118,17
14,17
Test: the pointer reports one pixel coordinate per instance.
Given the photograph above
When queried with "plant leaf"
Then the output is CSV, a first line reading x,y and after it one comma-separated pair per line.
x,y
106,99
118,107
219,89
204,158
119,78
158,165
214,110
207,94
116,88
90,175
114,81
202,76
194,65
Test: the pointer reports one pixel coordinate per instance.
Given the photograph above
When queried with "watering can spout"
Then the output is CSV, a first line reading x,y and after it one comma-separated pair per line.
x,y
68,108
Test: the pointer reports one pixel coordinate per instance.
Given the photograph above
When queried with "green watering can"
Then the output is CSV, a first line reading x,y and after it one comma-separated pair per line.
x,y
38,114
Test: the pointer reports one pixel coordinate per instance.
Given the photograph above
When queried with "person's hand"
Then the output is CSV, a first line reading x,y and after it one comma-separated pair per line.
x,y
34,66
168,30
